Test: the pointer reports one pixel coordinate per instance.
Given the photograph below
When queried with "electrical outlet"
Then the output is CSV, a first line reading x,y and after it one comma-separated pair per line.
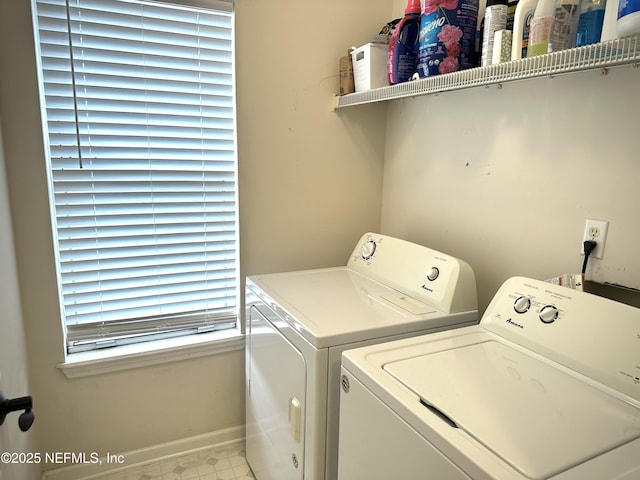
x,y
595,230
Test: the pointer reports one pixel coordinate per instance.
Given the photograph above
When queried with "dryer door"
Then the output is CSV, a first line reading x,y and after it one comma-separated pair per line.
x,y
275,401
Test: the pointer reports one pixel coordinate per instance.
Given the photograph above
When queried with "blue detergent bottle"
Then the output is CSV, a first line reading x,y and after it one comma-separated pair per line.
x,y
402,60
447,40
590,22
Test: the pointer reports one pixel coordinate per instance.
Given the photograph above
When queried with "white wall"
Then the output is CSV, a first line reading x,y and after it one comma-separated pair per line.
x,y
310,183
506,178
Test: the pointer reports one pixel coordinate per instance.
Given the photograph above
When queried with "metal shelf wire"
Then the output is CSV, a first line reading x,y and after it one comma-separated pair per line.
x,y
622,51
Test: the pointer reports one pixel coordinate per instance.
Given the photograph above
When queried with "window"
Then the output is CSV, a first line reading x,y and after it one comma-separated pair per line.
x,y
139,113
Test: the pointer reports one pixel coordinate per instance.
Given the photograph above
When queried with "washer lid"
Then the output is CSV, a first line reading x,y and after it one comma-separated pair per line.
x,y
335,306
536,417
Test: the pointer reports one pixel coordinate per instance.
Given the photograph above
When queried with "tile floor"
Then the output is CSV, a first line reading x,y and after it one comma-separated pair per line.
x,y
217,463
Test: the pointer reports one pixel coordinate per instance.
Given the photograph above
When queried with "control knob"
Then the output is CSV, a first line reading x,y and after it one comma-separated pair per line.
x,y
433,273
522,304
548,313
368,249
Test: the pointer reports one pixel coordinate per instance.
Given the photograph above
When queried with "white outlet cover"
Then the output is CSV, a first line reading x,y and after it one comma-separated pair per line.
x,y
603,226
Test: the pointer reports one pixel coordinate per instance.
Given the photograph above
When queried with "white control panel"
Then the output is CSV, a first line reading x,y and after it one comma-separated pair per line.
x,y
592,335
426,275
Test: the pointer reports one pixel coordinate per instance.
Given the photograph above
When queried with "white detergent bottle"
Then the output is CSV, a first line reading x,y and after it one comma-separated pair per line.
x,y
628,17
521,28
609,31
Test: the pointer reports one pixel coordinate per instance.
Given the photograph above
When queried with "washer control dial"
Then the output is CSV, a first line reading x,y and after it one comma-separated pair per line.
x,y
548,313
368,249
433,273
522,304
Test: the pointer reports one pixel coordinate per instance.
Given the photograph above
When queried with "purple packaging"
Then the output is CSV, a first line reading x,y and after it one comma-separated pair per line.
x,y
447,36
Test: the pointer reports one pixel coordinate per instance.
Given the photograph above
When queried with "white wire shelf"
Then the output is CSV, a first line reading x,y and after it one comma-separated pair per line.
x,y
622,51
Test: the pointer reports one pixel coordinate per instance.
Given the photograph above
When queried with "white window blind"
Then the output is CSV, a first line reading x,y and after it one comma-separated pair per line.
x,y
140,118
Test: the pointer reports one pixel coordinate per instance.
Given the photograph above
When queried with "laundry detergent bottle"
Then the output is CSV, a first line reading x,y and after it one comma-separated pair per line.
x,y
590,21
402,60
628,17
447,36
540,31
521,27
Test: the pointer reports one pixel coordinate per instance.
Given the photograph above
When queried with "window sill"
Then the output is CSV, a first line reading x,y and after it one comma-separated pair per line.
x,y
127,357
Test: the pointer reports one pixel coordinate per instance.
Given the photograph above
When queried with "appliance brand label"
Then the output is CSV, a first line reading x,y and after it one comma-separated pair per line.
x,y
511,322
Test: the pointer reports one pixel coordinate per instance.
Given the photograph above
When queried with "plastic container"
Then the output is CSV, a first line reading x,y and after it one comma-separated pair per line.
x,y
609,29
512,5
447,36
495,18
370,66
540,30
590,20
565,25
553,27
402,58
521,27
628,17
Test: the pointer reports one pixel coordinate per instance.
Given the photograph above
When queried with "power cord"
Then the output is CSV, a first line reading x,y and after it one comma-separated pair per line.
x,y
576,281
589,246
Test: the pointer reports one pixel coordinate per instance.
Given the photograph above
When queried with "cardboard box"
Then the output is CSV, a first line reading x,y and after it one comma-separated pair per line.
x,y
370,66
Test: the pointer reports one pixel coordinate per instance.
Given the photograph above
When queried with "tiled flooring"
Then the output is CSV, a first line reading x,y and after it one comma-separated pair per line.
x,y
218,463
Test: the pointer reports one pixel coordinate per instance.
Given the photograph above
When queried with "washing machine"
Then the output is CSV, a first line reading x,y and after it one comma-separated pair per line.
x,y
299,323
546,386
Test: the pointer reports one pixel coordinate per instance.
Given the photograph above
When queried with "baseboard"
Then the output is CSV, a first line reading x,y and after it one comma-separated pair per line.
x,y
147,454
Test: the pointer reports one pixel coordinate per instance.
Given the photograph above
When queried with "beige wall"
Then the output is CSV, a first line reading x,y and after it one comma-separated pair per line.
x,y
310,178
14,374
310,183
506,178
501,178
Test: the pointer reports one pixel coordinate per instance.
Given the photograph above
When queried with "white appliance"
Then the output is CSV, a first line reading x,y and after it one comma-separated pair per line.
x,y
546,386
299,323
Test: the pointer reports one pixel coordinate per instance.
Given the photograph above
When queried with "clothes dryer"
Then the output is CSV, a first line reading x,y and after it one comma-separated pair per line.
x,y
546,386
299,323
